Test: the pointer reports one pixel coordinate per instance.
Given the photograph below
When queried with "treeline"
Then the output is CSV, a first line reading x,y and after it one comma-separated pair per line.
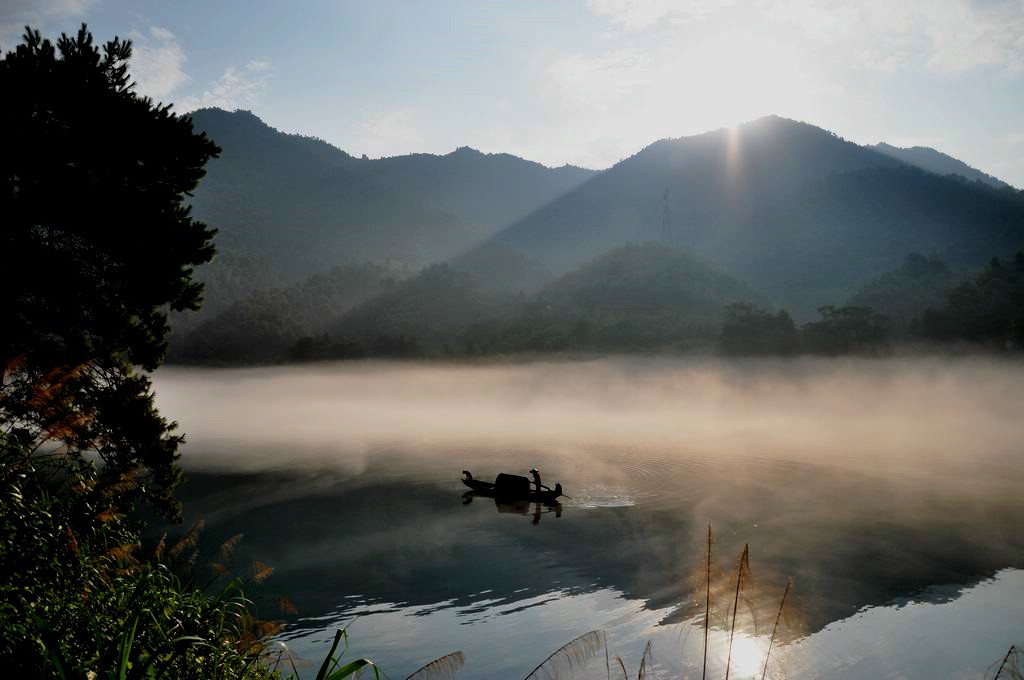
x,y
636,298
983,311
262,324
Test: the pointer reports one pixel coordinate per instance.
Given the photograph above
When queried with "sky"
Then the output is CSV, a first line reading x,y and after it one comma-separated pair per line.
x,y
585,82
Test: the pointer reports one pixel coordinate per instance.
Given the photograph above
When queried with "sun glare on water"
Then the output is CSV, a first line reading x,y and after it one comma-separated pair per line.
x,y
747,658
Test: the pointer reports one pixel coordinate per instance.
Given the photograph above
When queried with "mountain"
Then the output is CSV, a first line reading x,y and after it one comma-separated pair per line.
x,y
305,206
937,162
800,214
636,297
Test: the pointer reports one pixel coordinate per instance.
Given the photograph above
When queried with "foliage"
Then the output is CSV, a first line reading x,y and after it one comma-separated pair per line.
x,y
989,309
906,292
846,330
752,331
638,296
262,326
77,597
99,247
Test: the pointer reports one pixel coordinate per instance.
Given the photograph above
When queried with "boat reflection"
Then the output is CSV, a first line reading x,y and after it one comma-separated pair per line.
x,y
517,507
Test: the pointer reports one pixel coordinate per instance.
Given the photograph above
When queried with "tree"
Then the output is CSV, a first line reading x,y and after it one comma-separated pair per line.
x,y
98,245
750,330
846,330
988,309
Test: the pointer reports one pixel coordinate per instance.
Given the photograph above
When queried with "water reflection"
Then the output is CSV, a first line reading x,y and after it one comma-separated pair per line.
x,y
533,508
904,544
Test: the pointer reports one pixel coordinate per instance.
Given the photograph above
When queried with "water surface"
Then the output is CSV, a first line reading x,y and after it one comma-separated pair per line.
x,y
888,490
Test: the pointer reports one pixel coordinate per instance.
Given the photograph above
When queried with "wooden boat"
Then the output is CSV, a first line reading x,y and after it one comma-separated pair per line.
x,y
511,488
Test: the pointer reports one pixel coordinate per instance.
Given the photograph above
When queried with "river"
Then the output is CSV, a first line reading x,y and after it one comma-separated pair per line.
x,y
888,490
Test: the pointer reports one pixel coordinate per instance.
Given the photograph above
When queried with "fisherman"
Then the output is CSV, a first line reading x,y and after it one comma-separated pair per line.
x,y
536,479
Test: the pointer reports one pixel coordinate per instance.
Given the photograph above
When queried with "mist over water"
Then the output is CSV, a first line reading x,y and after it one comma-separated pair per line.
x,y
840,411
882,486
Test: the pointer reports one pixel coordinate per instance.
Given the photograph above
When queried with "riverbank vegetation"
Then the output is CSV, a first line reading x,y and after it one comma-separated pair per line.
x,y
99,247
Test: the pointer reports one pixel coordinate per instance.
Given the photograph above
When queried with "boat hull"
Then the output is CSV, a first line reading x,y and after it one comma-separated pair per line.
x,y
487,489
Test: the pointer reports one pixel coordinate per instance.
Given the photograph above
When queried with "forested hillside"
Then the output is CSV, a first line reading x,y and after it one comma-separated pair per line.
x,y
288,207
802,215
935,161
804,218
307,206
637,297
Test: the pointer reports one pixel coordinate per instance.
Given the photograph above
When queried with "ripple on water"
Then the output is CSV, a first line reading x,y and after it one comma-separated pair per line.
x,y
647,481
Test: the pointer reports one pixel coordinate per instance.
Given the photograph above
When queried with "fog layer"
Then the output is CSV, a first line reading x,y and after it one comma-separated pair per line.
x,y
925,414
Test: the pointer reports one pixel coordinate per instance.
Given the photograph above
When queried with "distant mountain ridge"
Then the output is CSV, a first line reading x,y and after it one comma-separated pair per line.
x,y
794,214
937,162
308,206
795,211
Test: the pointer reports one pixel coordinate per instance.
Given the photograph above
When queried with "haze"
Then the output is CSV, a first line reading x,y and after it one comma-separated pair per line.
x,y
587,83
860,413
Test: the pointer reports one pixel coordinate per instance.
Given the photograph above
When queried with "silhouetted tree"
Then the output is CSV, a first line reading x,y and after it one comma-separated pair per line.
x,y
97,246
846,330
988,309
751,330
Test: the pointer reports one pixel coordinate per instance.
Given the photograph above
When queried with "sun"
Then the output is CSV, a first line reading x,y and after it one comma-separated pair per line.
x,y
744,75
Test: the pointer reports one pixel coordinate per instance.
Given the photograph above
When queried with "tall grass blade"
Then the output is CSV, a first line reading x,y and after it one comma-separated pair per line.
x,y
354,668
574,654
742,577
325,667
707,606
127,641
775,628
444,668
645,662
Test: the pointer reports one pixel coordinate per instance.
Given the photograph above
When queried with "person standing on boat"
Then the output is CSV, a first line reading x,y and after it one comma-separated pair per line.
x,y
536,478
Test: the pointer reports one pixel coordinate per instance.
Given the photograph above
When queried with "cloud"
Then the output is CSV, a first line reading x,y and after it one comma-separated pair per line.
x,y
158,66
946,36
639,14
39,14
158,63
237,88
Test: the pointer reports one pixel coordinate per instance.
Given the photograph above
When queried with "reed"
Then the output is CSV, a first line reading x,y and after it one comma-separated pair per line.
x,y
742,578
775,628
1010,667
707,605
573,654
444,668
622,666
646,661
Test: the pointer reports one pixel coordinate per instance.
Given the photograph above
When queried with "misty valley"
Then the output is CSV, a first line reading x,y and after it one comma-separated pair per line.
x,y
488,341
888,490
